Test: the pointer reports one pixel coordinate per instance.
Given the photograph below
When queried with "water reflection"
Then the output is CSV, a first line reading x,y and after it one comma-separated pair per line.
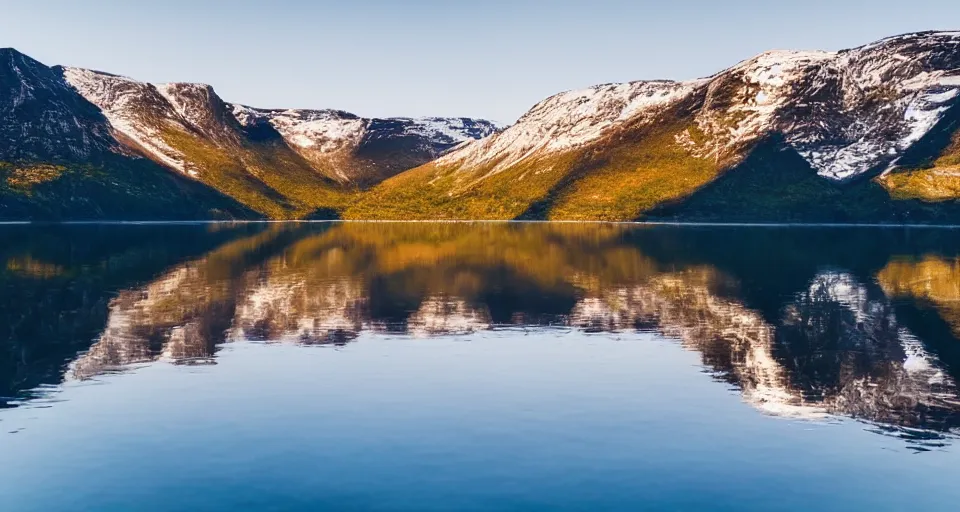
x,y
805,323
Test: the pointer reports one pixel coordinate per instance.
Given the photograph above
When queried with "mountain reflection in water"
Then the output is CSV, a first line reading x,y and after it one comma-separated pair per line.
x,y
804,322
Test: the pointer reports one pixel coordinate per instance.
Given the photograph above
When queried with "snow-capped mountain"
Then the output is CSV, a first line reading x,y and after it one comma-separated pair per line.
x,y
278,163
61,158
571,120
864,135
355,149
341,146
846,112
618,151
338,145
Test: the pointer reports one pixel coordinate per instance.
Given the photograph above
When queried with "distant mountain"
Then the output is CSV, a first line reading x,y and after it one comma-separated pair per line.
x,y
76,143
352,149
868,134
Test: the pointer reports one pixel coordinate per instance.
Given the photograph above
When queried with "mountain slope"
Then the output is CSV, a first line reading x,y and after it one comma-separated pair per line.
x,y
353,150
58,159
189,129
41,118
282,164
82,144
870,134
837,120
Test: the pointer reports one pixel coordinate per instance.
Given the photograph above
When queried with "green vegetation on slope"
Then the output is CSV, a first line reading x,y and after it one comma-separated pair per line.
x,y
631,174
774,184
619,177
437,191
939,181
267,177
117,188
929,185
930,170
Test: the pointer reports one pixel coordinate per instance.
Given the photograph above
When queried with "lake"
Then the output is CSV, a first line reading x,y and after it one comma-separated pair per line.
x,y
478,366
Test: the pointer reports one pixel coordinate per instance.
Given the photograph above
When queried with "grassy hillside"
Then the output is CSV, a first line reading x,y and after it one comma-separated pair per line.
x,y
619,177
118,188
639,171
774,184
930,171
265,176
642,172
437,191
631,174
937,182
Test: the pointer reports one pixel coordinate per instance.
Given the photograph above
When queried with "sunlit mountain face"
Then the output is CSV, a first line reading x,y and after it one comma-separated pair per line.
x,y
803,323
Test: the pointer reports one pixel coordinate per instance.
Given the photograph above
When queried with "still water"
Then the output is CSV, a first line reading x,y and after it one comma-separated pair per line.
x,y
478,367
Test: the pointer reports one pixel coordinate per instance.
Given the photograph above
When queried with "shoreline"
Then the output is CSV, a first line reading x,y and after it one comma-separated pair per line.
x,y
836,225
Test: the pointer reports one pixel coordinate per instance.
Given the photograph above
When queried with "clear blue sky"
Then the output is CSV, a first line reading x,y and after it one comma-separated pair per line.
x,y
491,58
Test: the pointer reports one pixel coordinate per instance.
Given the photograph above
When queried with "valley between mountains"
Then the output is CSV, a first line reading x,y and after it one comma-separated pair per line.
x,y
870,134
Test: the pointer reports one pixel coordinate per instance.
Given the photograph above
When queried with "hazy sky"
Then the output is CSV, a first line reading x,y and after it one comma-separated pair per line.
x,y
490,58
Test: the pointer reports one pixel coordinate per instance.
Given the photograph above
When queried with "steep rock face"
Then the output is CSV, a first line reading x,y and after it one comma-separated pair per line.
x,y
620,151
846,112
203,110
41,117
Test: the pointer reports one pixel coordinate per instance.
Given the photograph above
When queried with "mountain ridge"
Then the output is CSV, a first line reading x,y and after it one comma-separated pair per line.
x,y
624,151
65,127
867,134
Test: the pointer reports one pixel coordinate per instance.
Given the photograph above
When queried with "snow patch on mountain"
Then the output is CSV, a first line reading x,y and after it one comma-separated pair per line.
x,y
845,112
571,119
119,98
913,99
765,86
443,129
184,99
851,111
325,130
247,116
329,131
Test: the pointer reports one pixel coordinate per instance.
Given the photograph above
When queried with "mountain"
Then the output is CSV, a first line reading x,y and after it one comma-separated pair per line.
x,y
189,129
83,144
867,134
281,163
870,134
58,159
41,117
354,150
